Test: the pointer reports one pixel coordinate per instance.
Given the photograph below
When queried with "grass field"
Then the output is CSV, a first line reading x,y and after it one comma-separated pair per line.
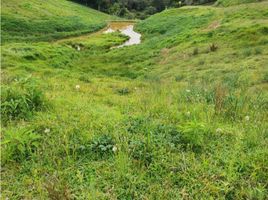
x,y
35,20
235,2
183,115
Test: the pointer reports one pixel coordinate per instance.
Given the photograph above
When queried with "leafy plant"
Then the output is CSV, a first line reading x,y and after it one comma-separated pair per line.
x,y
99,147
20,102
123,91
192,136
19,144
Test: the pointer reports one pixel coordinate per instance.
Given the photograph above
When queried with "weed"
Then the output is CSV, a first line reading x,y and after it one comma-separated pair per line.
x,y
123,91
179,78
195,51
213,47
19,144
85,78
102,146
265,77
141,152
19,103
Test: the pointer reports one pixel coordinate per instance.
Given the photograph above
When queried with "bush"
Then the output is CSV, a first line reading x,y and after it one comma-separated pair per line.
x,y
19,144
20,102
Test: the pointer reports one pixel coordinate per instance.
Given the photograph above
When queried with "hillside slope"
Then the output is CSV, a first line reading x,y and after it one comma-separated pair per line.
x,y
235,2
45,20
183,115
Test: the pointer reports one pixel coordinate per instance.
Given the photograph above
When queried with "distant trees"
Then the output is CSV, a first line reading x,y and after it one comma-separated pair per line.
x,y
137,8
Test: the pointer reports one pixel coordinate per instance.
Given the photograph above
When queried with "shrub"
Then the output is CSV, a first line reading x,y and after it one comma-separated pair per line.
x,y
20,103
19,144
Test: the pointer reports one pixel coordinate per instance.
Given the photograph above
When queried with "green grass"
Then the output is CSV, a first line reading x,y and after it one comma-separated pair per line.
x,y
35,20
183,115
235,2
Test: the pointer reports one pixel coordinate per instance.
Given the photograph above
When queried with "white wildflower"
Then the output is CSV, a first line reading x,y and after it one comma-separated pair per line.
x,y
78,48
188,91
77,87
47,130
218,130
247,118
114,148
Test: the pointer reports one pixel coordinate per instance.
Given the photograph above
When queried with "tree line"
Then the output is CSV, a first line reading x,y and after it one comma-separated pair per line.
x,y
137,8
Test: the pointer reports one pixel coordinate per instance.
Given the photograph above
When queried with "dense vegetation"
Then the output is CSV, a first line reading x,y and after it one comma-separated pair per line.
x,y
183,115
137,8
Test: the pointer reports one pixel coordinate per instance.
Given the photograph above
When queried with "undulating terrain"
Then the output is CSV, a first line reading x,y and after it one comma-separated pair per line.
x,y
183,115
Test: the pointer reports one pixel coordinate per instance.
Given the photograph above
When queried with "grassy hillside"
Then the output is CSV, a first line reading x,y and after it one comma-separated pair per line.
x,y
235,2
45,20
183,115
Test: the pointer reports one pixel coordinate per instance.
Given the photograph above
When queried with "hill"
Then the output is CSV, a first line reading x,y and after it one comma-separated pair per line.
x,y
46,20
235,2
183,115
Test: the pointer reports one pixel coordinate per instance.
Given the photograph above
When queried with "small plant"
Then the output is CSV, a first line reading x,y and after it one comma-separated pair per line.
x,y
247,52
195,51
102,146
258,51
178,78
265,77
57,189
213,47
85,78
219,97
19,144
123,91
192,136
201,62
136,125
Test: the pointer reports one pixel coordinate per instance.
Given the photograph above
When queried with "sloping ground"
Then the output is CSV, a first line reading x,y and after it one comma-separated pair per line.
x,y
183,115
235,2
37,20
